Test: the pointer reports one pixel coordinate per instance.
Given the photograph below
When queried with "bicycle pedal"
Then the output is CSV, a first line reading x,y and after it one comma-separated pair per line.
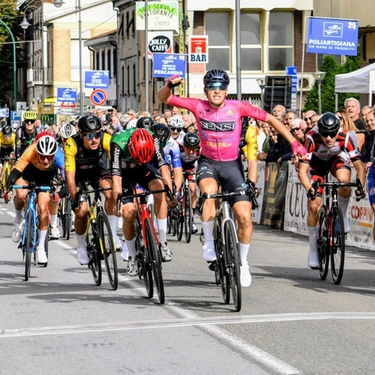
x,y
212,266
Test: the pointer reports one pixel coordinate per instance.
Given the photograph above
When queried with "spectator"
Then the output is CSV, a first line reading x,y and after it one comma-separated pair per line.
x,y
314,120
279,112
348,125
353,108
188,123
167,115
176,111
308,119
131,114
289,117
364,111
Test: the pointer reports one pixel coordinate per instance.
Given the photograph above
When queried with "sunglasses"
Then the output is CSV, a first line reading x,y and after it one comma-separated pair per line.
x,y
194,150
130,114
30,121
326,134
176,130
308,118
217,85
294,130
48,157
92,136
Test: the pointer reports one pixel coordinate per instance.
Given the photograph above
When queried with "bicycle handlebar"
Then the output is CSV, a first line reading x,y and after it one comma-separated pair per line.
x,y
360,193
33,187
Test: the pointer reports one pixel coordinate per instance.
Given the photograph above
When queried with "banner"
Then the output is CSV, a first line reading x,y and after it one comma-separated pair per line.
x,y
161,15
333,36
256,214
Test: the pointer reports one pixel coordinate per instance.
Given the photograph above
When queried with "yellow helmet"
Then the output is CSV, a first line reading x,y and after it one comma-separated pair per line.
x,y
30,115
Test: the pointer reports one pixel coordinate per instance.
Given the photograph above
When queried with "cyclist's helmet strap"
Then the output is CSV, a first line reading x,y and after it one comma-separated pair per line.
x,y
216,75
89,124
191,140
329,122
141,146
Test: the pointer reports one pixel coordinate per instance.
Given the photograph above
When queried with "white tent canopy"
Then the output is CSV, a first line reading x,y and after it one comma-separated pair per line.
x,y
356,82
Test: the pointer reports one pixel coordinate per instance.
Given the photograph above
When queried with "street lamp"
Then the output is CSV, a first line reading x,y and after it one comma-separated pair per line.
x,y
319,76
261,84
14,63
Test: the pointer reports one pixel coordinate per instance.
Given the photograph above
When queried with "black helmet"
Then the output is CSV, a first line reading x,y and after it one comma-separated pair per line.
x,y
328,123
191,140
7,130
216,75
162,132
145,122
89,124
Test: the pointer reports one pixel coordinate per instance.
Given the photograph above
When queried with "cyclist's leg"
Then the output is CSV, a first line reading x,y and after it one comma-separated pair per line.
x,y
19,202
207,181
194,199
341,170
43,219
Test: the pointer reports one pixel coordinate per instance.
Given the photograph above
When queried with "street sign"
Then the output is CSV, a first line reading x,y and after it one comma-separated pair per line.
x,y
97,79
98,97
68,105
14,116
166,65
4,112
66,95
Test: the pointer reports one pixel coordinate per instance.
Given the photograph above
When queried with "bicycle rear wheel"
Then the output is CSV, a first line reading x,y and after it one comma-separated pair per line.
x,y
155,260
338,246
323,243
93,251
233,263
221,274
108,249
29,246
188,219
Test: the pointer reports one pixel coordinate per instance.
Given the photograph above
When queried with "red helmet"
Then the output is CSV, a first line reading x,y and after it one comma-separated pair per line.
x,y
141,146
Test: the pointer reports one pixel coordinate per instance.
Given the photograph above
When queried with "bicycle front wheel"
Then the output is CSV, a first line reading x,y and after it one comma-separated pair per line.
x,y
108,249
180,221
29,246
155,260
93,251
338,245
188,218
323,243
233,263
68,218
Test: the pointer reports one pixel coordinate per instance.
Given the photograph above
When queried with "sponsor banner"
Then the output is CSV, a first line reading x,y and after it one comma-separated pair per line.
x,y
334,36
295,204
198,49
256,214
161,15
160,42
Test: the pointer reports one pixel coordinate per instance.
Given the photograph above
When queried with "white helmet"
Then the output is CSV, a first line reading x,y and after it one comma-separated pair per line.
x,y
132,124
46,145
68,131
176,122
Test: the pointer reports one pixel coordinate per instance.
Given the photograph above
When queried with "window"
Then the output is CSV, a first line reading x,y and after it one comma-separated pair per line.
x,y
251,48
217,29
280,40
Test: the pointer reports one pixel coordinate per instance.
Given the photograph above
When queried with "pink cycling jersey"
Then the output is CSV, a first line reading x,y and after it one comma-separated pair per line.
x,y
219,129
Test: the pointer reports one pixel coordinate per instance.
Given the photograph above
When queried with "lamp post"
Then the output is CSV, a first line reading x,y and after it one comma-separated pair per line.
x,y
261,84
14,63
319,76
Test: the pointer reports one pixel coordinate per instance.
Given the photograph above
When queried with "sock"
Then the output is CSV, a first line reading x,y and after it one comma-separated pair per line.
x,y
42,237
244,251
53,220
208,228
113,219
131,247
162,225
313,236
80,240
343,203
19,216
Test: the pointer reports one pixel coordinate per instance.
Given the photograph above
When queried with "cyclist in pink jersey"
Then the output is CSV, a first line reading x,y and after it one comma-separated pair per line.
x,y
219,126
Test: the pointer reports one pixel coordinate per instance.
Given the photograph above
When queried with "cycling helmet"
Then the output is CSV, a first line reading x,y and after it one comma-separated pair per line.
x,y
132,124
216,75
141,146
7,130
191,140
89,124
162,132
145,122
328,123
67,131
30,115
46,144
176,122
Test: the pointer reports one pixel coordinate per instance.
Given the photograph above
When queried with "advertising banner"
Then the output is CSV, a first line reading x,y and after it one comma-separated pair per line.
x,y
198,49
161,15
159,42
333,36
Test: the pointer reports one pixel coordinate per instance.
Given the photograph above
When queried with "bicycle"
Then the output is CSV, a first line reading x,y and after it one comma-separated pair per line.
x,y
29,238
64,214
331,235
7,168
147,243
184,210
99,239
228,262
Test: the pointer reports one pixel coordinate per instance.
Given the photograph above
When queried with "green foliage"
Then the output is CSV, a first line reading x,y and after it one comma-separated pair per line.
x,y
332,68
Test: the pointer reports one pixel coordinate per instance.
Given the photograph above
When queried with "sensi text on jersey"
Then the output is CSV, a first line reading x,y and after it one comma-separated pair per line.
x,y
217,126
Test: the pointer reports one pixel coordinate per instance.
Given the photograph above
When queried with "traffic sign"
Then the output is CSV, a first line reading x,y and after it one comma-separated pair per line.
x,y
14,116
66,95
68,105
95,79
98,97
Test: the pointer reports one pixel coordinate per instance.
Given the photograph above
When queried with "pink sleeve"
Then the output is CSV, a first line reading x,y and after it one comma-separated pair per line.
x,y
249,110
187,103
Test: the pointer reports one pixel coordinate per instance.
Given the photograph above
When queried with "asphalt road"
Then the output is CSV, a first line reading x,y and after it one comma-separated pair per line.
x,y
291,322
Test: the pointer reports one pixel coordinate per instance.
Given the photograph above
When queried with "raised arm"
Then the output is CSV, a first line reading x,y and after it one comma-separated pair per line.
x,y
165,94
